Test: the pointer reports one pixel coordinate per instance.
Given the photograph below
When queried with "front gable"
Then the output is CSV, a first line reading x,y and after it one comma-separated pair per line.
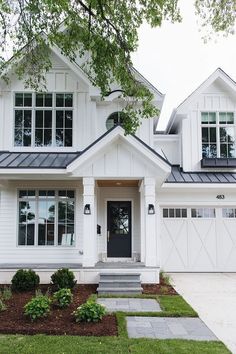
x,y
117,155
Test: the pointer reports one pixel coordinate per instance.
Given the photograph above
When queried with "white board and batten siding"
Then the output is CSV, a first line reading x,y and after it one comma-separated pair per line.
x,y
213,99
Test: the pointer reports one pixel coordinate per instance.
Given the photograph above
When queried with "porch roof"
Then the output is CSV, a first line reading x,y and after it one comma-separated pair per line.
x,y
34,160
179,176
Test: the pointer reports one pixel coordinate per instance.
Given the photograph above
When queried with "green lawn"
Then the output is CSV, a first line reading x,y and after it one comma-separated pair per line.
x,y
108,345
171,306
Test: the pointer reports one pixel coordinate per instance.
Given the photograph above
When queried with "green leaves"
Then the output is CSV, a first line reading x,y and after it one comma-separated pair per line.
x,y
89,312
102,33
63,297
38,307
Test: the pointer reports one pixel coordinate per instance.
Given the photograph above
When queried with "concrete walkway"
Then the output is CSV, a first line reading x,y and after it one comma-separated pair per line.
x,y
213,296
168,328
129,304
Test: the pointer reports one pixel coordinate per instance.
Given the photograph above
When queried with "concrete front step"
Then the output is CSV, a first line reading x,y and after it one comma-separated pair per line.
x,y
119,283
120,276
119,291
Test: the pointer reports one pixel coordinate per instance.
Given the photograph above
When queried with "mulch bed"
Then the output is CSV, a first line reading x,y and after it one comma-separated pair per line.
x,y
59,322
159,289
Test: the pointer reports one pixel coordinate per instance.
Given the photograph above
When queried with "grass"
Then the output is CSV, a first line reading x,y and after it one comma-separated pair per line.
x,y
41,344
174,306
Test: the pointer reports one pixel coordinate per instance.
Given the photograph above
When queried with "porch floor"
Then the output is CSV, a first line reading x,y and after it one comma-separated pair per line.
x,y
119,265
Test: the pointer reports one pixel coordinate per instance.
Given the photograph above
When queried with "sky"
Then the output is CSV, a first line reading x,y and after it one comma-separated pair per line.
x,y
175,59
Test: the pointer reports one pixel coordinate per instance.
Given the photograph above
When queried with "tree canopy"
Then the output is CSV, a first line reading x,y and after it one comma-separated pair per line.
x,y
103,31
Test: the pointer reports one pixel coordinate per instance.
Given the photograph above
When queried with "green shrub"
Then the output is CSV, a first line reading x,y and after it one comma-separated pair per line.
x,y
63,297
63,279
24,280
37,307
5,293
89,312
2,306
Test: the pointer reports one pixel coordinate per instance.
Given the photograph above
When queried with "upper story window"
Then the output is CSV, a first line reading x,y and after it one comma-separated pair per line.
x,y
43,119
116,118
218,134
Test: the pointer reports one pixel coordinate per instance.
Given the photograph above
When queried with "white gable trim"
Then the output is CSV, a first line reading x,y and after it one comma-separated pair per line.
x,y
217,74
108,139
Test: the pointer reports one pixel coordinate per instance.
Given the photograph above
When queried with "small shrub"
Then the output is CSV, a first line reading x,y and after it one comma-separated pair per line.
x,y
37,307
63,279
24,280
165,278
6,293
63,297
2,306
89,312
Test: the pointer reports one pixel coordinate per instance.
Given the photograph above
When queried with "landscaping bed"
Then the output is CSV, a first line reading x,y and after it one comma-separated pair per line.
x,y
59,322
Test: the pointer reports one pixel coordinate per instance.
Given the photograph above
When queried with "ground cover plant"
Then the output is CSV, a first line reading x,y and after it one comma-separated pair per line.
x,y
89,312
37,307
63,297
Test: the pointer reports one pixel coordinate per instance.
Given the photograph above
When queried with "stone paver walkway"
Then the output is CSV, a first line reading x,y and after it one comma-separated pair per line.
x,y
168,328
130,304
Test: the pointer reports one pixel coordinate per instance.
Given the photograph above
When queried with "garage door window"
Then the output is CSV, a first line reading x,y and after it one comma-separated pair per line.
x,y
203,213
174,213
229,213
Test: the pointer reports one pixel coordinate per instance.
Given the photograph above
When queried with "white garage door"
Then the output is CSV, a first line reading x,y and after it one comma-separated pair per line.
x,y
198,239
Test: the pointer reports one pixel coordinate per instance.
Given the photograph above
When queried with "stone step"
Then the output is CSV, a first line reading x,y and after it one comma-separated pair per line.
x,y
119,284
117,291
120,276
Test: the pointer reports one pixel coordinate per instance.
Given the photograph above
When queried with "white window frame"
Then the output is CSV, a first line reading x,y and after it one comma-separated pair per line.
x,y
35,108
217,125
56,198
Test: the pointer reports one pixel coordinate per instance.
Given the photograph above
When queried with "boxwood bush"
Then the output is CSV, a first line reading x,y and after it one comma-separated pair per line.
x,y
63,279
24,280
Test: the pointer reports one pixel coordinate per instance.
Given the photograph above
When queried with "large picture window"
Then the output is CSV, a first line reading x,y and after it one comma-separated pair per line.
x,y
43,119
46,218
218,134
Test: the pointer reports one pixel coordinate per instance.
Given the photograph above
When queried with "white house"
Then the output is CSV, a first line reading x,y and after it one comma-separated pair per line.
x,y
77,192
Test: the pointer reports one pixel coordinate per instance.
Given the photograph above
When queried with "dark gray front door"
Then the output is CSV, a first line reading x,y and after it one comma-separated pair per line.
x,y
118,229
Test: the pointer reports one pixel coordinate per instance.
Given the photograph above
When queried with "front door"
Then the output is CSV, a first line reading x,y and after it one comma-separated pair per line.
x,y
118,229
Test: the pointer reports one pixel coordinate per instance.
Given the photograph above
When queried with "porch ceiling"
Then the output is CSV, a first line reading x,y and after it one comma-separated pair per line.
x,y
118,183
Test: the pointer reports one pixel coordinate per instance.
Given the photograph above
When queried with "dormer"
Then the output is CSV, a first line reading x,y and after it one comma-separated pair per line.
x,y
206,123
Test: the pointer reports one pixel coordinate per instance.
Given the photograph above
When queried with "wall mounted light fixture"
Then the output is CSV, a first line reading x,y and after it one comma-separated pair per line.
x,y
151,209
87,209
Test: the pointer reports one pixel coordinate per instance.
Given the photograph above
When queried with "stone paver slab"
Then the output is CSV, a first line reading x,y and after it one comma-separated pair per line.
x,y
168,328
130,304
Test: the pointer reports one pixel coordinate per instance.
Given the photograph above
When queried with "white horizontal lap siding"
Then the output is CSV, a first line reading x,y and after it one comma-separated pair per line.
x,y
10,252
118,193
198,244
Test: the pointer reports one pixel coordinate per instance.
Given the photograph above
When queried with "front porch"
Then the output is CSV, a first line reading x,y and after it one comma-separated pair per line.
x,y
83,275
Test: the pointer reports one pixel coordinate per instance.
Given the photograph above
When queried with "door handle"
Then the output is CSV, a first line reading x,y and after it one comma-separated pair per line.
x,y
108,235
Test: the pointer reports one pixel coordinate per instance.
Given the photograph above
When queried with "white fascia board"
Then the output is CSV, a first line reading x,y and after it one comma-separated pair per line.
x,y
198,186
166,137
114,135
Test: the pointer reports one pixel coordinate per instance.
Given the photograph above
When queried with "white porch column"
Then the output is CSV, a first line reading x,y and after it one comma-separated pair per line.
x,y
89,224
150,223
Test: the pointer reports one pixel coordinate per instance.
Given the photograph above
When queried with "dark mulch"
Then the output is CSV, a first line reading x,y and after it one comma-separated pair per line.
x,y
59,322
159,289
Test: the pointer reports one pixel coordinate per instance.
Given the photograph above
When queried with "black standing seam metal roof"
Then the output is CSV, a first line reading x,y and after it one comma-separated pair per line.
x,y
36,159
178,176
